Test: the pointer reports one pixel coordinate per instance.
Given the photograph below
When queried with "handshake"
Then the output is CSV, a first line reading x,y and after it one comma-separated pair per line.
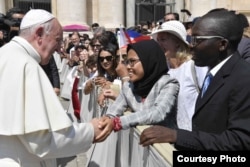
x,y
104,126
153,134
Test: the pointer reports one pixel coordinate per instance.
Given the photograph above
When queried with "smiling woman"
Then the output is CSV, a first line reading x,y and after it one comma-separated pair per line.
x,y
106,86
150,94
106,58
107,62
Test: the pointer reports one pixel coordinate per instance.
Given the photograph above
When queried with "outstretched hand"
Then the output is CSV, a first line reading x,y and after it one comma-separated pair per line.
x,y
105,124
157,134
97,130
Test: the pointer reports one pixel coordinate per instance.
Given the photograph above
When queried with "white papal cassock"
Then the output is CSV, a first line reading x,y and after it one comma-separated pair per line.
x,y
34,128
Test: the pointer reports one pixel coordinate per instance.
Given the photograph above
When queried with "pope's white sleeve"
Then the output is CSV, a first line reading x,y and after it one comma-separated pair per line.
x,y
63,143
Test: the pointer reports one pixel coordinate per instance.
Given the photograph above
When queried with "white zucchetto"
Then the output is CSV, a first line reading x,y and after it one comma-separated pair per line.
x,y
35,16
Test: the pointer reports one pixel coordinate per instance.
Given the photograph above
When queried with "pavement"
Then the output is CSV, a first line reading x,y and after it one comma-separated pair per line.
x,y
74,161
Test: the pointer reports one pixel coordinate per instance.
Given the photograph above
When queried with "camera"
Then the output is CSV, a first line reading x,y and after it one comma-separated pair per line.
x,y
4,30
9,27
10,23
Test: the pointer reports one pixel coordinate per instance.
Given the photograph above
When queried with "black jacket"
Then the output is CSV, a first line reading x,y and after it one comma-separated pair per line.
x,y
222,116
52,72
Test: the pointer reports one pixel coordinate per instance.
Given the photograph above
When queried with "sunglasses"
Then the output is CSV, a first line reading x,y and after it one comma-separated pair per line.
x,y
97,46
196,40
107,58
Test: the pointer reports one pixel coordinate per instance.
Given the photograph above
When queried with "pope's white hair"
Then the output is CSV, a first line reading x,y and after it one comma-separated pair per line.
x,y
30,30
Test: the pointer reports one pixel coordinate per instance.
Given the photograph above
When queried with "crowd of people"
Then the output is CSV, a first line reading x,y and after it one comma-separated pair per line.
x,y
181,81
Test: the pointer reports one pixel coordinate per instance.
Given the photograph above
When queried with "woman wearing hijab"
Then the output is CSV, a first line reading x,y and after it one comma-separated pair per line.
x,y
151,93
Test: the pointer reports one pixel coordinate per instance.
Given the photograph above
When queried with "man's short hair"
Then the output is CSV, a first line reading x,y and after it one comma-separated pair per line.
x,y
224,23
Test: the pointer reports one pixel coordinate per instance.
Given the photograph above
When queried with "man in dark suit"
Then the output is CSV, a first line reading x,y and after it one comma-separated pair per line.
x,y
222,115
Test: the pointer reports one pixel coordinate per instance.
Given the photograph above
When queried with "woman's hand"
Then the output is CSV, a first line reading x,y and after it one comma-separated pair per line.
x,y
101,99
100,81
109,93
106,126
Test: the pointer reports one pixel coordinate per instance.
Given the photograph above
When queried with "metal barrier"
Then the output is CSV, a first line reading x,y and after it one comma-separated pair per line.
x,y
157,155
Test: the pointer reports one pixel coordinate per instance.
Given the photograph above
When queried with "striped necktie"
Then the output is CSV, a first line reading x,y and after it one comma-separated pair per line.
x,y
206,83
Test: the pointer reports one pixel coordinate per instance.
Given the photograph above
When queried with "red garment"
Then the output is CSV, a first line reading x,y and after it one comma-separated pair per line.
x,y
75,99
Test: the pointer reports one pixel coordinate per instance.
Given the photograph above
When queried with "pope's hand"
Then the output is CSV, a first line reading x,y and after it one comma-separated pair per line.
x,y
97,130
106,125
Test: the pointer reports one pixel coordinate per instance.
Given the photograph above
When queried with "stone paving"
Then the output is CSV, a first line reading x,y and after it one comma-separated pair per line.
x,y
75,161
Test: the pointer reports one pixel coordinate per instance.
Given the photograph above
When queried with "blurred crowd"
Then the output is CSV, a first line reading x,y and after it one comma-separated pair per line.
x,y
158,78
